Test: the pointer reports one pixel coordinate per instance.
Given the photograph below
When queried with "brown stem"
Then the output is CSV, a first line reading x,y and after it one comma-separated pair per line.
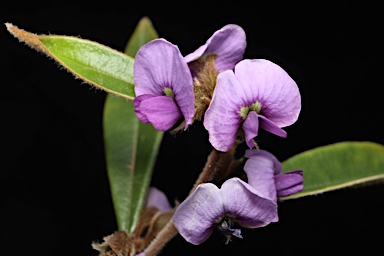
x,y
216,166
163,237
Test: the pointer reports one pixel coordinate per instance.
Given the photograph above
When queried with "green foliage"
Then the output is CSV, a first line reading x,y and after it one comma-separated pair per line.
x,y
339,165
94,63
131,146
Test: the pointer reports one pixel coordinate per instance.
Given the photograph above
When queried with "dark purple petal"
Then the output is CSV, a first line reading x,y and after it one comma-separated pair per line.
x,y
161,111
270,85
260,174
158,65
158,199
286,184
136,102
251,128
228,43
251,210
271,127
289,183
195,217
222,118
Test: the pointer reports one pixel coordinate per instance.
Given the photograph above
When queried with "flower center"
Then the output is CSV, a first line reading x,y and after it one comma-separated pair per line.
x,y
168,91
225,225
245,110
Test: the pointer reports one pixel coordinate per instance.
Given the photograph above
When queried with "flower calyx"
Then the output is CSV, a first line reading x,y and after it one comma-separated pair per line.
x,y
204,82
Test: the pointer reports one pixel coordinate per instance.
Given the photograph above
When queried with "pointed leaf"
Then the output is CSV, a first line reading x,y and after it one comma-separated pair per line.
x,y
90,61
143,33
338,165
131,149
131,146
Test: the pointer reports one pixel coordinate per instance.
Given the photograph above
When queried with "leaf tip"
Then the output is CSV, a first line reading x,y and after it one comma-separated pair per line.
x,y
28,38
145,19
9,25
12,29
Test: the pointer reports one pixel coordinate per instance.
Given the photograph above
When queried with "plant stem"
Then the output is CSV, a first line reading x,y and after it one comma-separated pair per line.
x,y
163,237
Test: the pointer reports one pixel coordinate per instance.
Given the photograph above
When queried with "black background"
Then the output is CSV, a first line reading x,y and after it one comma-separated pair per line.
x,y
55,197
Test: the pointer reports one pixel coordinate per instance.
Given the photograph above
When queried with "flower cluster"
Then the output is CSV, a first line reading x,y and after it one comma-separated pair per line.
x,y
250,204
233,97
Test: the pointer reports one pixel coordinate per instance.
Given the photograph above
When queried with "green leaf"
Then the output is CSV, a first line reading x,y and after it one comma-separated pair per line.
x,y
143,33
336,166
131,146
89,61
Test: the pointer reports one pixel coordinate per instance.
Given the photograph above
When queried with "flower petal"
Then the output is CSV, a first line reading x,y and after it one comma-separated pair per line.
x,y
289,183
222,118
136,102
271,127
244,202
161,111
228,43
195,217
251,128
158,65
260,174
268,83
158,199
263,153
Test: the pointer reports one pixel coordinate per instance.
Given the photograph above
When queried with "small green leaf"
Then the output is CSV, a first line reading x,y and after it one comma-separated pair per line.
x,y
131,146
143,33
337,166
90,61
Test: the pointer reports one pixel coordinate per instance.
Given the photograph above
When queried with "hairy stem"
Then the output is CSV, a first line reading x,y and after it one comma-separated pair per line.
x,y
163,237
215,168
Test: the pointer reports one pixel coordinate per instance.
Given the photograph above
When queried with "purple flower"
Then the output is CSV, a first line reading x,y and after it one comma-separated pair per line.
x,y
209,207
250,205
158,199
257,93
262,166
228,44
163,85
221,52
